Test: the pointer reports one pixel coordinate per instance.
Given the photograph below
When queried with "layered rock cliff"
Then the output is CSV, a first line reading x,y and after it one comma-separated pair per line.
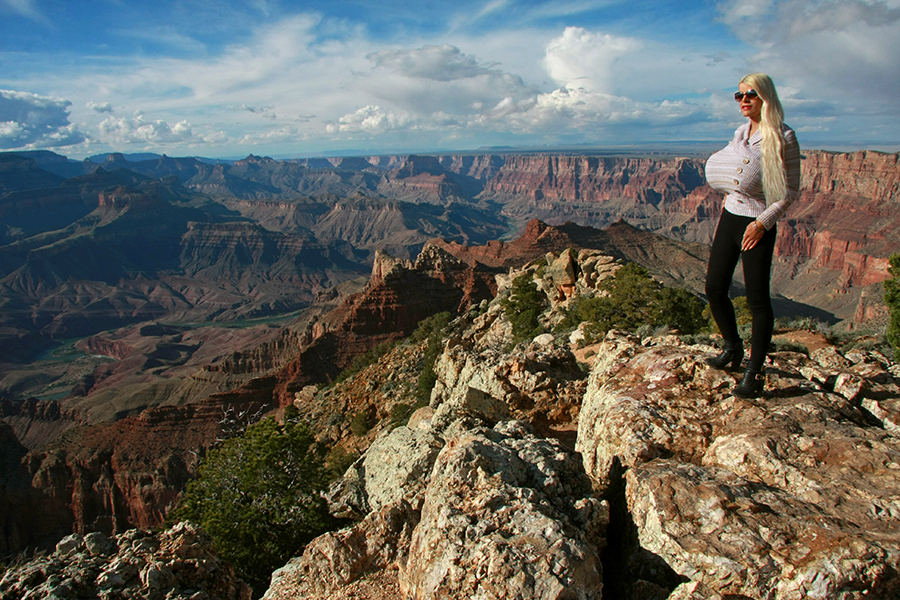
x,y
162,373
309,224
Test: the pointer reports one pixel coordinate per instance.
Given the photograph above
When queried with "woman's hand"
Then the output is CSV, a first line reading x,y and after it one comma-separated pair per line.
x,y
752,235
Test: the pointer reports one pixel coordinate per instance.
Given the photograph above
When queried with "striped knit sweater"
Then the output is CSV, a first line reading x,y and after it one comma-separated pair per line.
x,y
736,171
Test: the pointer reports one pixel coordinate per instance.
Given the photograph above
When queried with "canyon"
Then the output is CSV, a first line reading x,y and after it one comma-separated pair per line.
x,y
143,302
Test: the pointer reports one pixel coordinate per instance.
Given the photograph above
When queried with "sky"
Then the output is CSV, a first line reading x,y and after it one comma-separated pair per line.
x,y
225,79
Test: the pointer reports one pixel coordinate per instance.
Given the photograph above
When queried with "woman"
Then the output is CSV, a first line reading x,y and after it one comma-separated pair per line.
x,y
759,174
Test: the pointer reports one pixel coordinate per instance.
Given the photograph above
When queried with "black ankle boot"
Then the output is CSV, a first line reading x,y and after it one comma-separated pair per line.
x,y
751,386
732,353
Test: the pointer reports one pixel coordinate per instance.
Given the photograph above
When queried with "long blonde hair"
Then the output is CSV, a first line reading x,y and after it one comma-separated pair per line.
x,y
770,123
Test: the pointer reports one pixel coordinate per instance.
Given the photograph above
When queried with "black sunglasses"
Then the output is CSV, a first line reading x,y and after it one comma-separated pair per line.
x,y
751,94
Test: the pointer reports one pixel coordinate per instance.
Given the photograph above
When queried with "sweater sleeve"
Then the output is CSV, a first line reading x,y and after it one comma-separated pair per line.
x,y
792,171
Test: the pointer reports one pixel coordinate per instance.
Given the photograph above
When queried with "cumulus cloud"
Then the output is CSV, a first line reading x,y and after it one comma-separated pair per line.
x,y
585,58
372,120
582,62
578,110
137,130
438,63
440,88
32,121
104,107
421,87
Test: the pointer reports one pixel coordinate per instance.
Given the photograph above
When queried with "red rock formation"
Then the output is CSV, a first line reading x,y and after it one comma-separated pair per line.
x,y
398,296
536,239
123,197
595,179
847,217
104,347
112,477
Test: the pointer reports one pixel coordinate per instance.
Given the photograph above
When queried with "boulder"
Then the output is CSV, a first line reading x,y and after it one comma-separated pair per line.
x,y
397,465
506,515
343,563
540,384
791,495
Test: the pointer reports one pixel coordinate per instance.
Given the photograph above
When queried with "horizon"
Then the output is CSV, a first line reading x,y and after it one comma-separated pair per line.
x,y
347,78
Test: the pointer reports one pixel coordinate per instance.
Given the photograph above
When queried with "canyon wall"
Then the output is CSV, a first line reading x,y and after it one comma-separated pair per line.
x,y
832,246
256,252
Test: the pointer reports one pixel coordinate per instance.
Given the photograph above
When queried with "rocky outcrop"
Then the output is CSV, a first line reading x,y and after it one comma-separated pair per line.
x,y
504,514
179,563
791,495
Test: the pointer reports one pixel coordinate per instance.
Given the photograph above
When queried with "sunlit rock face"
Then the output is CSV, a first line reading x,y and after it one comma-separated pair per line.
x,y
793,495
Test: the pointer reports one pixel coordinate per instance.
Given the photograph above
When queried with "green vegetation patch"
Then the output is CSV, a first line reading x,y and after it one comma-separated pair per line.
x,y
892,299
524,307
631,301
432,331
258,497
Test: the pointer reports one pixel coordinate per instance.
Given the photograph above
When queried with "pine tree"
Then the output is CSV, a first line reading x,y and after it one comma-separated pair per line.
x,y
258,497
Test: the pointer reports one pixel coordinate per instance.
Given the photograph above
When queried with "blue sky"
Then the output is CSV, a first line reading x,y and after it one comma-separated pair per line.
x,y
280,78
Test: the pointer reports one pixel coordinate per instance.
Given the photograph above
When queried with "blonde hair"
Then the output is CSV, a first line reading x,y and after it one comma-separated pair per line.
x,y
770,123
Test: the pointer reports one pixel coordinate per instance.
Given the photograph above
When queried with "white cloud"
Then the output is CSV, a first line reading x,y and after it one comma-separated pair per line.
x,y
438,63
435,88
270,57
573,110
371,120
137,130
584,58
284,134
104,107
32,121
416,84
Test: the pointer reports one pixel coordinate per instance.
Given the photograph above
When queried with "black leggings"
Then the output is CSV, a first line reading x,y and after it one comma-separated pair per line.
x,y
757,265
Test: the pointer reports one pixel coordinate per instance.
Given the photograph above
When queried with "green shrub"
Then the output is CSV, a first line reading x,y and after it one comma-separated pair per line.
x,y
258,497
523,307
892,299
338,461
634,301
361,422
431,330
